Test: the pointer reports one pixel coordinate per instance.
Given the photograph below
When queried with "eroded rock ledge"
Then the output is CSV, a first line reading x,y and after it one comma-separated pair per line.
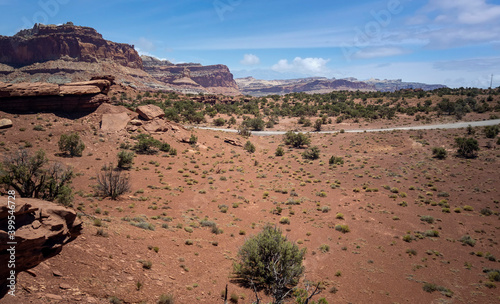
x,y
41,96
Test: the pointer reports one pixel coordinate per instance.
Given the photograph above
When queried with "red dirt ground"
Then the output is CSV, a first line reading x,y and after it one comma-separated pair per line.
x,y
371,263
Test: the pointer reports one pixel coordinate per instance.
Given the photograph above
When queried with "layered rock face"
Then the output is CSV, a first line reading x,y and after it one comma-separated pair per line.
x,y
214,78
41,96
42,229
49,42
255,87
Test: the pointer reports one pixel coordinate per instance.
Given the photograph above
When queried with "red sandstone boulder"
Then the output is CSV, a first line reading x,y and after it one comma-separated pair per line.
x,y
150,112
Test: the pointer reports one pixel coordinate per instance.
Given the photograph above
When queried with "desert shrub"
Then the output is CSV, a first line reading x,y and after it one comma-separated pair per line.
x,y
311,153
439,152
432,233
219,122
324,248
30,176
296,140
249,147
486,212
146,144
193,139
491,131
336,160
285,220
255,124
166,299
468,240
317,125
270,262
125,159
111,183
164,147
468,208
71,144
466,147
427,218
244,131
430,287
279,151
342,228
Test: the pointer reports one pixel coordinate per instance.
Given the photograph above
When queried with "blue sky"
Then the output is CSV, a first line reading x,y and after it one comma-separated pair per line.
x,y
451,42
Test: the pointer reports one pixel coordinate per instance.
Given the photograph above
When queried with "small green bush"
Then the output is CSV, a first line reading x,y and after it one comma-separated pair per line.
x,y
125,159
468,240
296,140
342,228
249,147
439,152
311,153
466,147
334,160
279,151
71,144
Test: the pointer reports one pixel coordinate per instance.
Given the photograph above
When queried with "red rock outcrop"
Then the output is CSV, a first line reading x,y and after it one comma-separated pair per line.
x,y
42,229
50,42
41,97
150,112
214,78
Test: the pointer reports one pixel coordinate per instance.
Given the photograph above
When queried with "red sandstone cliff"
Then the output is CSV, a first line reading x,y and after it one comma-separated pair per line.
x,y
50,42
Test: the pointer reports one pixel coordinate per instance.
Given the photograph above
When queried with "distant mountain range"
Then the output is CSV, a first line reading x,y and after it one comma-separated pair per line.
x,y
257,87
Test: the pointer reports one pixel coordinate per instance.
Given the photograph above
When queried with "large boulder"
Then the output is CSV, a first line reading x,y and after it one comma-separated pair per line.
x,y
5,123
114,122
150,112
42,229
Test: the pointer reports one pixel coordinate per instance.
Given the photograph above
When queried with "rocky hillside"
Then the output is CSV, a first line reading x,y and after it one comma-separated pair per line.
x,y
214,78
69,53
256,87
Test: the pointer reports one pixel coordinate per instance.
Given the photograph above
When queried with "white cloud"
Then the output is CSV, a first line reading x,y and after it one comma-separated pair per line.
x,y
464,11
250,59
456,23
144,44
377,52
306,66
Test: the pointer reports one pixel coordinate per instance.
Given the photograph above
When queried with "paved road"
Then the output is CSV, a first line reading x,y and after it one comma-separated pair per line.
x,y
456,125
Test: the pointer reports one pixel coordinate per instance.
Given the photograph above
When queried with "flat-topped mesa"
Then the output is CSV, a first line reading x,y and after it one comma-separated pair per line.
x,y
50,42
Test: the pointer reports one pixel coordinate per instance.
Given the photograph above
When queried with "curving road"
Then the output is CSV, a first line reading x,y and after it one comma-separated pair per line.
x,y
456,125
